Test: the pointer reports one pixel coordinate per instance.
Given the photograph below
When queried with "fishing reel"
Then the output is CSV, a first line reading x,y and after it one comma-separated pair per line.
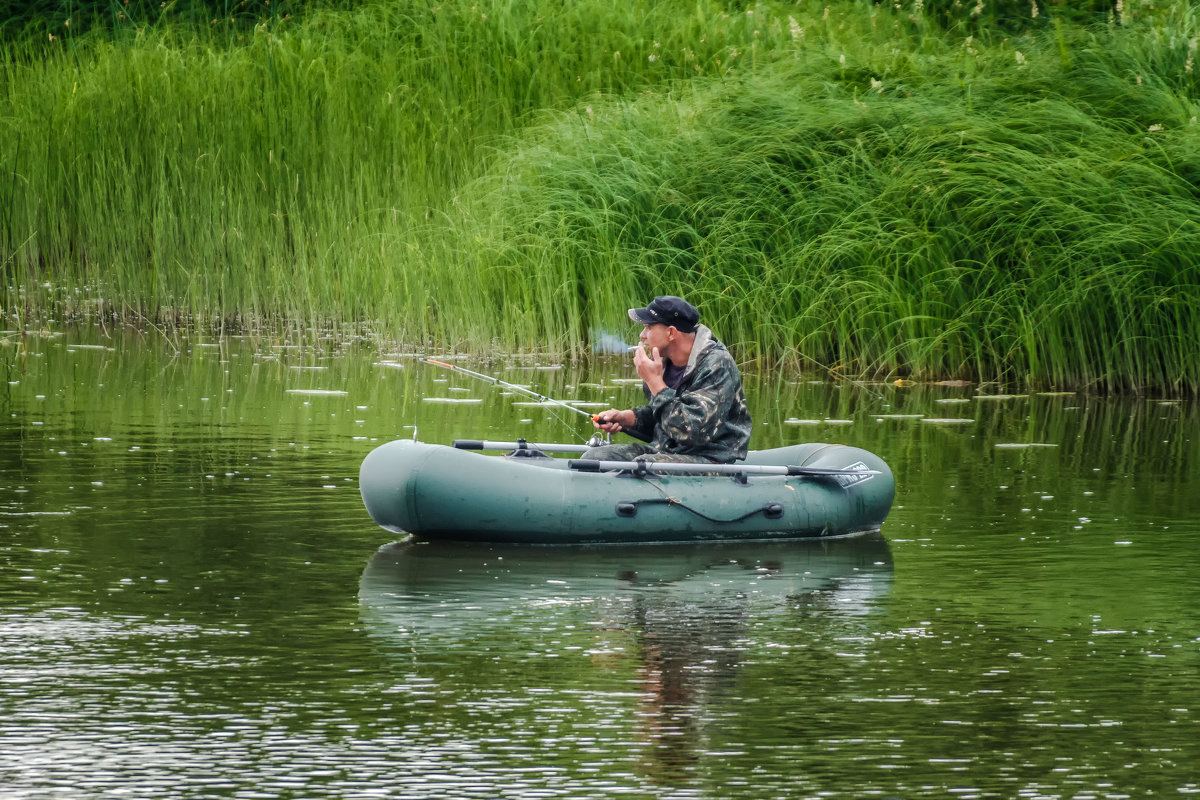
x,y
599,439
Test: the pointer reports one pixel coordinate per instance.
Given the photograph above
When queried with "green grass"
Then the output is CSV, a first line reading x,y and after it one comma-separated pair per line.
x,y
863,190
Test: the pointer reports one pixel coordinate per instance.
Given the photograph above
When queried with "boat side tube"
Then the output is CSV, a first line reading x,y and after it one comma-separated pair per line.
x,y
437,492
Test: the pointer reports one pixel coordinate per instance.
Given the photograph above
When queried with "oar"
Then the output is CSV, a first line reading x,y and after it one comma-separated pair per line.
x,y
671,467
659,467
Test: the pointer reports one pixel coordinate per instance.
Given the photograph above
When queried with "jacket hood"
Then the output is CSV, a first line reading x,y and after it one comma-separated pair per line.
x,y
705,341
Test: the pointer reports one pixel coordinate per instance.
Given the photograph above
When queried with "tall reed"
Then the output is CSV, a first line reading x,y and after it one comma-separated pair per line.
x,y
875,216
282,171
851,187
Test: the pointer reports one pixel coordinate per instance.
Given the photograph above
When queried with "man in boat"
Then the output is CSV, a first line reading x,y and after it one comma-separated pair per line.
x,y
696,409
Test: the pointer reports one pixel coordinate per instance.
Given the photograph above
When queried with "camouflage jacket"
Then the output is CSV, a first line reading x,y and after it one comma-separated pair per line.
x,y
706,415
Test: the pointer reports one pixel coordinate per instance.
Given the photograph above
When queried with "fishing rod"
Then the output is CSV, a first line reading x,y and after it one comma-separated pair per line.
x,y
599,438
497,382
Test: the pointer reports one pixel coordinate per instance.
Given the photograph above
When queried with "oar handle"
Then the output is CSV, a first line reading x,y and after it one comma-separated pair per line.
x,y
520,444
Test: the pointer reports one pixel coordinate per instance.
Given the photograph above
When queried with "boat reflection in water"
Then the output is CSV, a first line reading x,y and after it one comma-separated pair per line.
x,y
673,622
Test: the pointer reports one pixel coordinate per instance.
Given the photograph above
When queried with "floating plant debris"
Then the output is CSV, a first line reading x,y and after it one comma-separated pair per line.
x,y
1021,445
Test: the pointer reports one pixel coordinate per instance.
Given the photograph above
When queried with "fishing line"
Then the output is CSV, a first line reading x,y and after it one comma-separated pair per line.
x,y
525,391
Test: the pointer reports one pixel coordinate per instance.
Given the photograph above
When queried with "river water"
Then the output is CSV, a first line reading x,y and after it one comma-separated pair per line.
x,y
194,603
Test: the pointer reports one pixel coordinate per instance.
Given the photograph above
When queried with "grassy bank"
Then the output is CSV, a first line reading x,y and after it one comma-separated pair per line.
x,y
890,193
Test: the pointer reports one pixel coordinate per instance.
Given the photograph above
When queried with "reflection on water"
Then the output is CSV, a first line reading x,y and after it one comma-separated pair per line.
x,y
185,611
677,620
461,587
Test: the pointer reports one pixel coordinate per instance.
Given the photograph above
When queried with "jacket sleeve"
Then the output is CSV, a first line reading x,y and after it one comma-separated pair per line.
x,y
644,427
694,418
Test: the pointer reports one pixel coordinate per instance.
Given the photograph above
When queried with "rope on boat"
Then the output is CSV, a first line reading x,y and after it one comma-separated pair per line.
x,y
628,508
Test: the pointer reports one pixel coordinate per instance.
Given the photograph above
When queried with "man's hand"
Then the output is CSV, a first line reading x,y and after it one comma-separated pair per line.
x,y
612,420
650,368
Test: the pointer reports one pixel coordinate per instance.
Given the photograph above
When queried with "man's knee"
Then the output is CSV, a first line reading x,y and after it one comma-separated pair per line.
x,y
675,458
616,452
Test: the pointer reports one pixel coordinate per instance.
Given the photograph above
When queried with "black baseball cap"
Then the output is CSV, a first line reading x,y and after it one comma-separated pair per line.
x,y
668,310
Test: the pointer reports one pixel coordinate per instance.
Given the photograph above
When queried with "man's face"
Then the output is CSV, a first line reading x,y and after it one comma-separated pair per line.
x,y
656,336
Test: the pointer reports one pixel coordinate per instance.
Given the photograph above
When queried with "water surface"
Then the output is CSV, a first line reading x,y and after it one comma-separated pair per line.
x,y
193,602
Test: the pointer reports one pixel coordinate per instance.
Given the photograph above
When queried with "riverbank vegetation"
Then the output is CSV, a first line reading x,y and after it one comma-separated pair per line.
x,y
937,190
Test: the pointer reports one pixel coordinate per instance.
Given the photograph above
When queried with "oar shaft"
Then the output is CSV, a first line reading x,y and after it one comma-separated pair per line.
x,y
686,468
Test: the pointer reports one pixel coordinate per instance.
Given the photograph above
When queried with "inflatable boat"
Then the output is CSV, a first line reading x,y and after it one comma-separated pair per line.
x,y
529,494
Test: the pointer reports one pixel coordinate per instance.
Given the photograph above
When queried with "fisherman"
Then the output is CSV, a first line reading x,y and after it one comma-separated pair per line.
x,y
696,410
